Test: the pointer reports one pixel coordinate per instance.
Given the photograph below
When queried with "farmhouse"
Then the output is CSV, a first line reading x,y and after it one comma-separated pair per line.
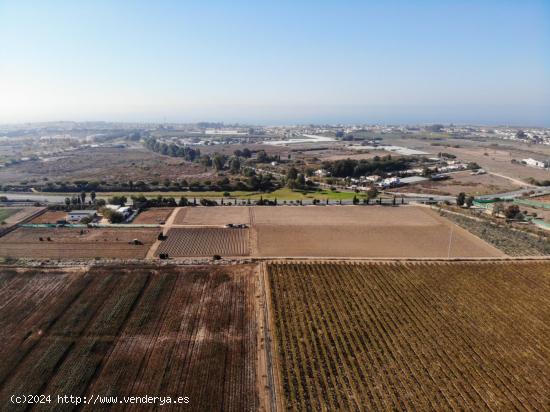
x,y
78,215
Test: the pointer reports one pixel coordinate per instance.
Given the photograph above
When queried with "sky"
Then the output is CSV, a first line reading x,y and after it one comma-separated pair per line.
x,y
276,62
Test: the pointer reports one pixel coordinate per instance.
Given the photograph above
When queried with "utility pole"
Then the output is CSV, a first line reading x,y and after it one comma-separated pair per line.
x,y
450,241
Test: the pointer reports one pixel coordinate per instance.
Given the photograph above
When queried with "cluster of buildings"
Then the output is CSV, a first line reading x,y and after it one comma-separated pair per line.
x,y
76,216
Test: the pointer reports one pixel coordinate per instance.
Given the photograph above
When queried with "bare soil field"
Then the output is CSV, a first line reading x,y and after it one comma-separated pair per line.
x,y
362,231
206,241
109,164
50,216
423,336
212,215
73,243
135,331
153,216
545,199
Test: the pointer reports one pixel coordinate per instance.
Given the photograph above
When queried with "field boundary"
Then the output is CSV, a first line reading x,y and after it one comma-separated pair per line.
x,y
271,353
14,226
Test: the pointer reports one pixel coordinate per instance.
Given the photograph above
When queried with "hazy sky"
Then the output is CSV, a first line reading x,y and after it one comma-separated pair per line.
x,y
276,62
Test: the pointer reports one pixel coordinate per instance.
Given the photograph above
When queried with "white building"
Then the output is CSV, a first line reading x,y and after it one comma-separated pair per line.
x,y
534,163
78,215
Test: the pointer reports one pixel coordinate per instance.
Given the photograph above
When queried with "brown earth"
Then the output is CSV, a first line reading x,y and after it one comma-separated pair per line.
x,y
153,216
205,241
212,215
424,336
72,243
359,231
50,217
134,331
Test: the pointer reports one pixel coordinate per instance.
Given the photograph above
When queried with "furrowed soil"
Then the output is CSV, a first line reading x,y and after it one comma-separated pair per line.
x,y
412,336
205,241
74,243
134,331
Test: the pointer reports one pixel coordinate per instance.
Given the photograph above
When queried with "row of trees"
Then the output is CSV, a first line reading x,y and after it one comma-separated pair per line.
x,y
81,199
172,149
376,165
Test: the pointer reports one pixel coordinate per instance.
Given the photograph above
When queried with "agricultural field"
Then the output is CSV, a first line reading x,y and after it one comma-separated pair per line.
x,y
153,216
130,331
205,241
215,215
74,243
411,336
362,231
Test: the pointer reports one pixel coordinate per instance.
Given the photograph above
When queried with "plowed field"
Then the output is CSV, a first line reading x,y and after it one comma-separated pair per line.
x,y
134,331
452,336
73,243
205,241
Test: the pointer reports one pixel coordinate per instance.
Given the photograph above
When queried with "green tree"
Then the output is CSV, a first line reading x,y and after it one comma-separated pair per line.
x,y
461,199
261,156
93,196
83,197
218,161
372,192
235,165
